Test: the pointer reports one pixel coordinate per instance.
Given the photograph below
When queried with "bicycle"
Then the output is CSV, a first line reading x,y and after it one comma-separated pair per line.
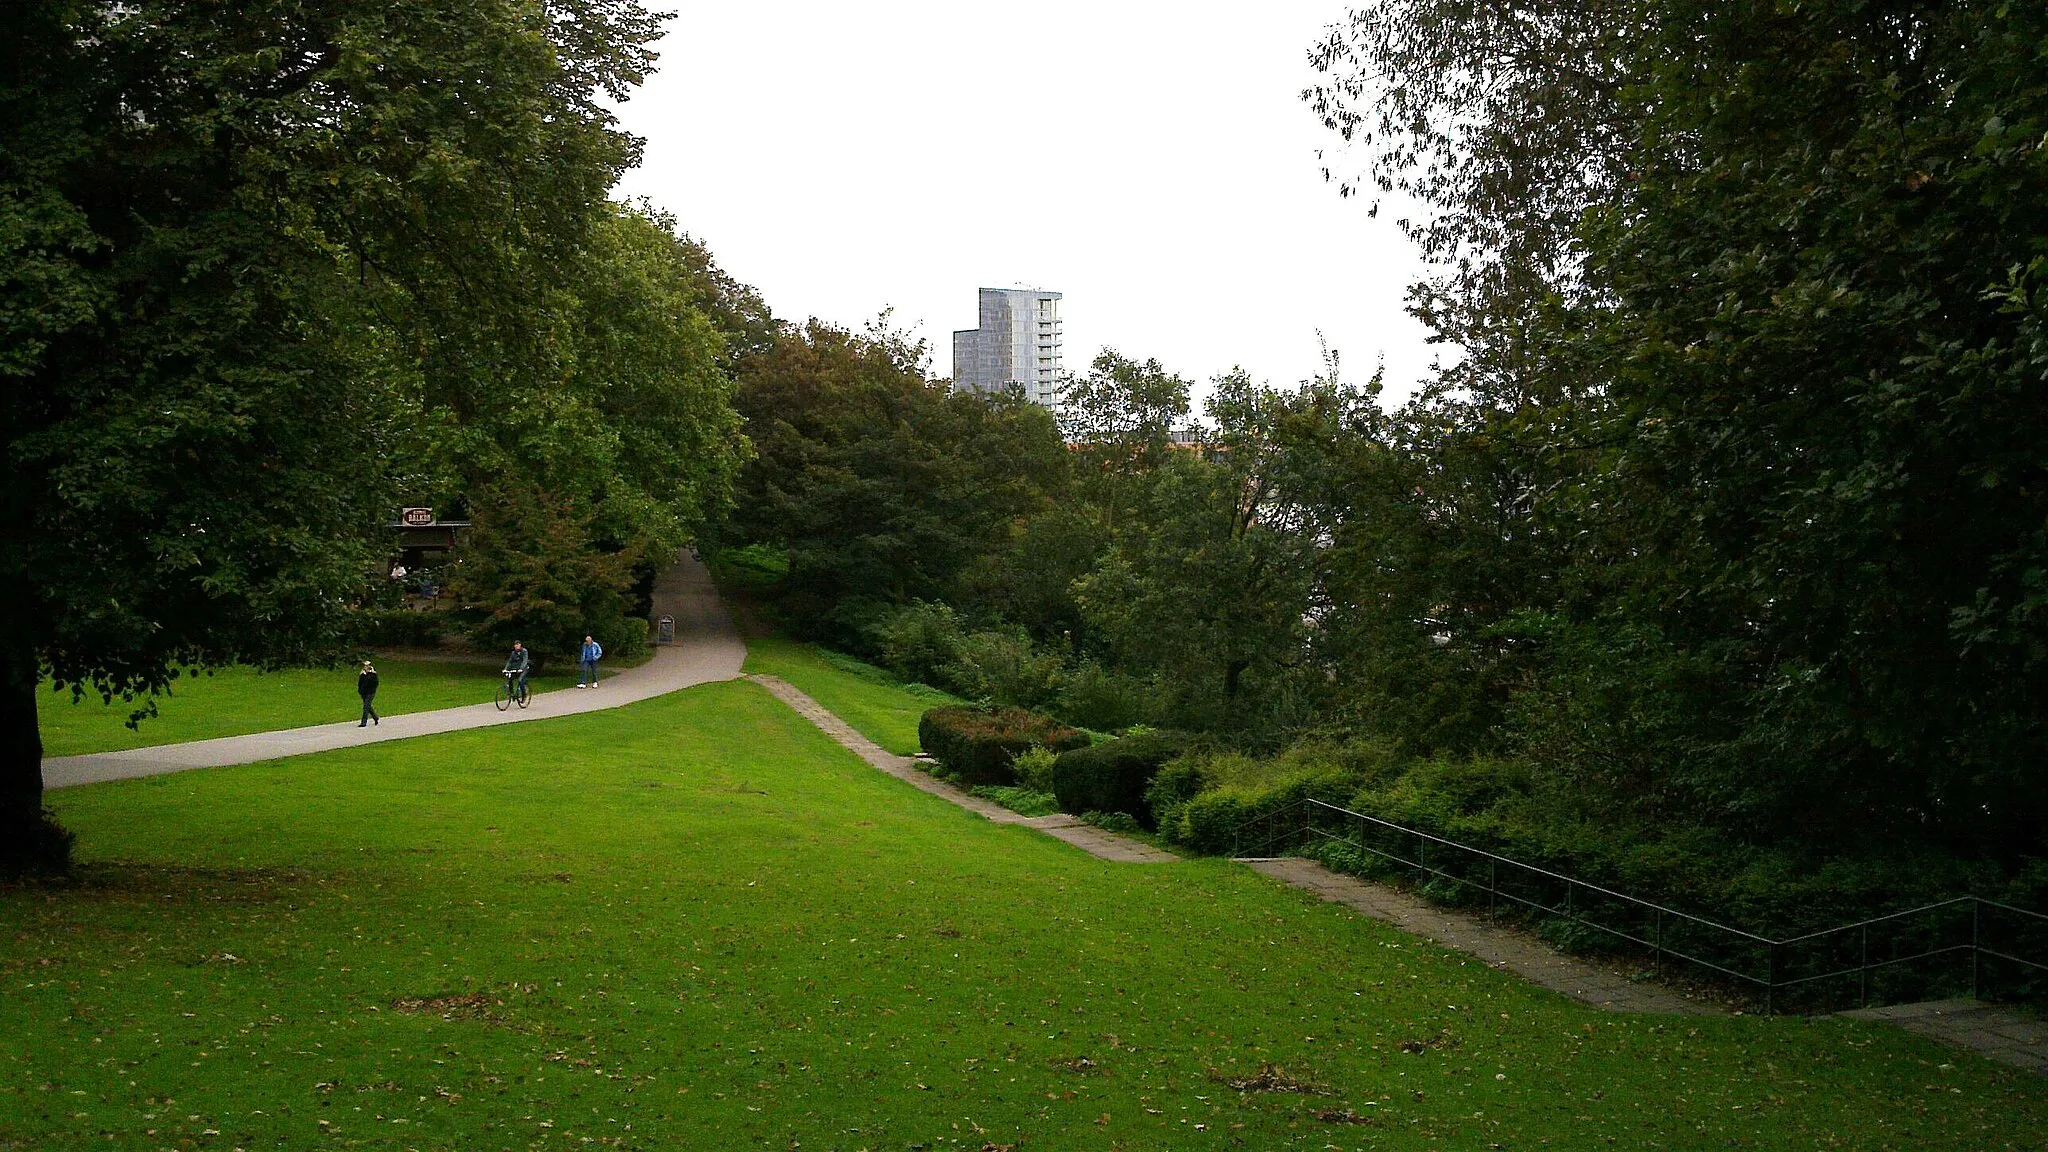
x,y
507,693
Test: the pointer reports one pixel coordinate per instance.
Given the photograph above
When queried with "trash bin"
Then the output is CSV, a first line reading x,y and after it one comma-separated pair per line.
x,y
665,630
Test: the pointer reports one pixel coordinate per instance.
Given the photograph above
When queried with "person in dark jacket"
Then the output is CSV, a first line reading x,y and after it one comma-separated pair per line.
x,y
366,687
517,665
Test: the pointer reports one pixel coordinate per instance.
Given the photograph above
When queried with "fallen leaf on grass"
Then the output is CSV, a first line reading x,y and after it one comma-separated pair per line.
x,y
475,1006
1270,1078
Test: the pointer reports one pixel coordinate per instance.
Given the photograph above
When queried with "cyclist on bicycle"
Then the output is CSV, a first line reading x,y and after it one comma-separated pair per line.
x,y
516,666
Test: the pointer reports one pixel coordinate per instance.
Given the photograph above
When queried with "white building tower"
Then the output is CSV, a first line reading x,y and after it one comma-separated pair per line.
x,y
1018,343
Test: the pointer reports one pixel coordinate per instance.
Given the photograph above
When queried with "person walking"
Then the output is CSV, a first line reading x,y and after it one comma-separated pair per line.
x,y
592,653
366,687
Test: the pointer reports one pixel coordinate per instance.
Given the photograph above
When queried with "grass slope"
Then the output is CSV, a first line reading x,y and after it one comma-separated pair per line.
x,y
878,705
695,923
234,701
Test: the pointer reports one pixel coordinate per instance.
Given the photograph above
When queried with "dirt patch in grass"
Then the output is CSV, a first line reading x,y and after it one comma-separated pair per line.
x,y
474,1006
1441,1042
1270,1078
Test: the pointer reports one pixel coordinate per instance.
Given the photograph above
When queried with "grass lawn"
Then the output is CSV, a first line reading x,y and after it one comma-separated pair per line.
x,y
234,701
878,705
695,923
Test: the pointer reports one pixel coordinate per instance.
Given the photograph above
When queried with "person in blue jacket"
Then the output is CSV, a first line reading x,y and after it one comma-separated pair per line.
x,y
592,653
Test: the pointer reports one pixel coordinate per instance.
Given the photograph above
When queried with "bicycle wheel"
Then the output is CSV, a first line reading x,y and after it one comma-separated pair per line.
x,y
525,695
504,699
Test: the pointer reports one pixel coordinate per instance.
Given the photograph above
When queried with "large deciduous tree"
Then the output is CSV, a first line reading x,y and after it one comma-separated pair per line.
x,y
1751,296
881,484
261,262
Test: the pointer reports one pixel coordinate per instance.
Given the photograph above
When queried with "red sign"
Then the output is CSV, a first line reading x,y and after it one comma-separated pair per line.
x,y
416,517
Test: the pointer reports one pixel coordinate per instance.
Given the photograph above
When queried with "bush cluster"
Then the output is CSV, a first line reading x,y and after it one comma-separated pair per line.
x,y
398,628
978,745
930,643
1113,776
1219,802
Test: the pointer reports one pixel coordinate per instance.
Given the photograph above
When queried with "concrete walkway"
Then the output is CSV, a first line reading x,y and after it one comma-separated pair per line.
x,y
1087,837
707,648
1988,1029
1499,947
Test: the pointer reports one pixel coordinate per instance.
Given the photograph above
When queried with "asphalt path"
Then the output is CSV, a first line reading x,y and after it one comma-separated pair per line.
x,y
707,647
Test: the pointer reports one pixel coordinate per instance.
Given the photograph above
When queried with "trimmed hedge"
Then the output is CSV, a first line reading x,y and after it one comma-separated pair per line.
x,y
977,745
1214,822
1113,776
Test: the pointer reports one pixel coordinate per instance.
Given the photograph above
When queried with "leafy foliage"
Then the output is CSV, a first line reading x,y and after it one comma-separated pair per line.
x,y
1113,776
880,485
977,745
531,558
268,269
1723,515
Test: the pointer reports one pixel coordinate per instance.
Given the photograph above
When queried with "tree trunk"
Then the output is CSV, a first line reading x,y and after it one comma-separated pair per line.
x,y
27,841
1233,674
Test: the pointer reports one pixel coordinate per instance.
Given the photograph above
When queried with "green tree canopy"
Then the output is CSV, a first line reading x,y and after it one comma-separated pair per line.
x,y
881,484
1751,298
264,268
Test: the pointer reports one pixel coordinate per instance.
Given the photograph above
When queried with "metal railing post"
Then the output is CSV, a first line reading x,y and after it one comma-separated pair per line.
x,y
1976,952
1863,969
1385,848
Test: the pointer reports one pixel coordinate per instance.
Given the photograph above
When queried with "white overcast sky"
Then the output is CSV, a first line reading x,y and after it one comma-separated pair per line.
x,y
1153,162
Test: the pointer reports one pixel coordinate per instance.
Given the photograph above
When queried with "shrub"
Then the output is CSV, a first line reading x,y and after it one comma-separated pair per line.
x,y
1112,777
977,745
398,628
755,568
1435,792
1023,801
1112,822
1034,768
1177,782
919,642
1094,697
1216,820
1005,667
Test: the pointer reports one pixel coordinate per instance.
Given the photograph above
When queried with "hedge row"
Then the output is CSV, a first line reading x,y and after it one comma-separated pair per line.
x,y
977,745
1113,776
1228,821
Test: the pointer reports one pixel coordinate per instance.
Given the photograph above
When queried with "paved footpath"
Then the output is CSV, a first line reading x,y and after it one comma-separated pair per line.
x,y
1531,959
1087,837
707,648
1990,1029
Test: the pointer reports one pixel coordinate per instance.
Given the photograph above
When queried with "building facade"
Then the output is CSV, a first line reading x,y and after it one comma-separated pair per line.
x,y
1018,343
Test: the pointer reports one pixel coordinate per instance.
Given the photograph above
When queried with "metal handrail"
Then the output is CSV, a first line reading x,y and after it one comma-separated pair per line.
x,y
1571,880
1775,978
